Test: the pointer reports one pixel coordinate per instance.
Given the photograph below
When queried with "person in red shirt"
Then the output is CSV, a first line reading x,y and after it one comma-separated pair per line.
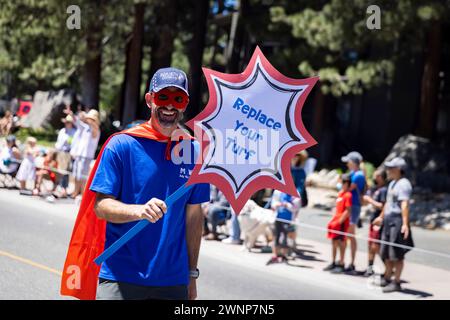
x,y
340,223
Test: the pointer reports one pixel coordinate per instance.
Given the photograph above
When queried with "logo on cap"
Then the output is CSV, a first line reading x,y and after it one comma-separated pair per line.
x,y
169,77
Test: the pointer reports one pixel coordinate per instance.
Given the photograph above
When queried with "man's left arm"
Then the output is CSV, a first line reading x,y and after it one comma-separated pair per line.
x,y
405,191
194,226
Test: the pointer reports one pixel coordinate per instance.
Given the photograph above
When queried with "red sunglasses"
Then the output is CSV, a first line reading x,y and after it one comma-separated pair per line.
x,y
165,97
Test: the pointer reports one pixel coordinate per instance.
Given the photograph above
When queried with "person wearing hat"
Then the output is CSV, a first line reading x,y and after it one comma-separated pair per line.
x,y
84,146
63,158
395,224
135,171
357,188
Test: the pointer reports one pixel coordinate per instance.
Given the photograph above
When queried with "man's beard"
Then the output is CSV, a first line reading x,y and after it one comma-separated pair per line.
x,y
167,118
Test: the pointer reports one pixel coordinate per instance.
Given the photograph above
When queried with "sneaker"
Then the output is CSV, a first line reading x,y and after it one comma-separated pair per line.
x,y
50,199
392,287
384,282
230,240
273,260
369,272
330,267
350,270
337,269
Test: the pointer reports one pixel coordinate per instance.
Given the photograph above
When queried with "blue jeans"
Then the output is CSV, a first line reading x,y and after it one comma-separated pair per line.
x,y
216,216
235,232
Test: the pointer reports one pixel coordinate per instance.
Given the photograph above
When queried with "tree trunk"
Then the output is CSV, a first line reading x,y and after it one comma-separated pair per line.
x,y
162,42
132,79
236,40
196,58
430,84
318,115
213,64
91,74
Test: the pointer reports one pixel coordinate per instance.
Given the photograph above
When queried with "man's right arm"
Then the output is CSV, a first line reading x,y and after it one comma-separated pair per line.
x,y
112,210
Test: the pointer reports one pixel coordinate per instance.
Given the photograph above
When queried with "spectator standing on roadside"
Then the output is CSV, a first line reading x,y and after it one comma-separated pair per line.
x,y
395,221
84,147
357,188
63,157
340,222
27,169
299,176
286,207
376,199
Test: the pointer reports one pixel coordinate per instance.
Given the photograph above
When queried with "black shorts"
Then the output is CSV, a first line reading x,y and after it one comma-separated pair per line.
x,y
281,231
113,290
391,232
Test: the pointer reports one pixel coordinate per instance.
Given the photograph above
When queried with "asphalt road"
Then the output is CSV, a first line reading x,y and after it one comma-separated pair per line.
x,y
33,243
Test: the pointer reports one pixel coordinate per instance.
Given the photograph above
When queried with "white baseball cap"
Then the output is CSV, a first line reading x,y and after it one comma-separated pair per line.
x,y
397,162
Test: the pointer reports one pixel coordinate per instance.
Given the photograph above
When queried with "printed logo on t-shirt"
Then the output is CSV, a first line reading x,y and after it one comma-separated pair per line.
x,y
185,173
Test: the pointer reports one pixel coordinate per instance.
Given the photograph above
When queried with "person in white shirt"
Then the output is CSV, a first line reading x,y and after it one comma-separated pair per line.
x,y
83,149
27,169
394,219
63,157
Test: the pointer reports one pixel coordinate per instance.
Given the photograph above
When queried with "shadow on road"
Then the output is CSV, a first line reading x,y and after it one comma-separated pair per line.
x,y
421,294
293,264
301,254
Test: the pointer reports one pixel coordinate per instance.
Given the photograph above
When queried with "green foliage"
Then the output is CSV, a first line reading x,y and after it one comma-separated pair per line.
x,y
369,169
45,137
36,49
340,48
179,57
328,38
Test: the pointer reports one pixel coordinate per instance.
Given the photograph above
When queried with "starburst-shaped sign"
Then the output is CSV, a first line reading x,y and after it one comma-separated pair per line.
x,y
250,130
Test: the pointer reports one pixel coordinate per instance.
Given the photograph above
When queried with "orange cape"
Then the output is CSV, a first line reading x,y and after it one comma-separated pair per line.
x,y
80,273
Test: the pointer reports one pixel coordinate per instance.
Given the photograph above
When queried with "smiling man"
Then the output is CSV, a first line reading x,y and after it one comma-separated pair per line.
x,y
132,178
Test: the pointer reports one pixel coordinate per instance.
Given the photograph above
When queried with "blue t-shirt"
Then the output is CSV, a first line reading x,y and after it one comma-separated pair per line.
x,y
358,178
282,212
134,170
299,176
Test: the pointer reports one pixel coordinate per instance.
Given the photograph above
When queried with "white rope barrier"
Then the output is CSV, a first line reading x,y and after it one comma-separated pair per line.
x,y
379,241
52,169
306,225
